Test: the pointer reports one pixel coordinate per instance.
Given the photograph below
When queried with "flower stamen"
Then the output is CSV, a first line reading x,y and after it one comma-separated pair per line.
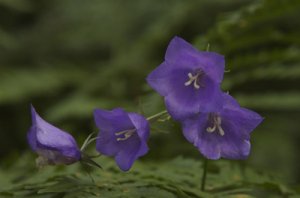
x,y
217,121
126,133
195,79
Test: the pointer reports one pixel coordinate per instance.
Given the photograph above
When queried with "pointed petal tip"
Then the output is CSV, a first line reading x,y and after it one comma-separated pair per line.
x,y
176,40
124,169
32,109
34,114
179,39
123,165
178,47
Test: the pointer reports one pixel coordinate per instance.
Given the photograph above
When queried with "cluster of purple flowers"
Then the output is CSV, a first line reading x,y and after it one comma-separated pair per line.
x,y
212,120
189,80
123,135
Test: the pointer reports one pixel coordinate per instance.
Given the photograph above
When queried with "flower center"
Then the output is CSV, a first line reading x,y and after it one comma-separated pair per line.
x,y
195,79
216,122
126,134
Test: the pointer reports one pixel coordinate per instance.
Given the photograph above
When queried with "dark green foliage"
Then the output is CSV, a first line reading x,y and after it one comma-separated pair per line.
x,y
176,178
68,57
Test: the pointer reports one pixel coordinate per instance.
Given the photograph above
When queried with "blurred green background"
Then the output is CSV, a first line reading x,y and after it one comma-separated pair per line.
x,y
67,57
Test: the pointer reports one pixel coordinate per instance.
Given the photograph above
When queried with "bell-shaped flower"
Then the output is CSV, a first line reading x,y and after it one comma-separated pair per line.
x,y
122,135
53,145
188,79
223,133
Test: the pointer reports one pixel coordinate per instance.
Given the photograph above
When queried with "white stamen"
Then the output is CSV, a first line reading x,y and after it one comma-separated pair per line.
x,y
187,83
191,79
190,75
127,134
194,80
196,85
221,131
211,129
217,121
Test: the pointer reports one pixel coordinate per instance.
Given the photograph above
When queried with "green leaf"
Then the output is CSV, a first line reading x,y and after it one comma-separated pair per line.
x,y
176,178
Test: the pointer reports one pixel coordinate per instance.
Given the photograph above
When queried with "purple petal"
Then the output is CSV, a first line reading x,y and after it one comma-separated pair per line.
x,y
143,130
141,124
44,136
170,78
181,53
109,123
190,128
195,132
128,152
244,120
107,144
237,124
52,137
124,160
132,146
229,101
163,77
143,149
213,64
230,145
237,150
208,143
112,121
31,137
234,144
185,101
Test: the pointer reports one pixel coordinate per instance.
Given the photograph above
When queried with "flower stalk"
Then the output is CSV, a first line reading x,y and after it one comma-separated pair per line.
x,y
158,115
203,181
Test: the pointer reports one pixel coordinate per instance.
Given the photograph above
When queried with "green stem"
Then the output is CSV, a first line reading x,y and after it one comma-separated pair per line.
x,y
157,115
205,162
208,47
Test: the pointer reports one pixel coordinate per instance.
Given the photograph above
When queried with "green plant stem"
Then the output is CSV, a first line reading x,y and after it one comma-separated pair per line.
x,y
157,115
205,162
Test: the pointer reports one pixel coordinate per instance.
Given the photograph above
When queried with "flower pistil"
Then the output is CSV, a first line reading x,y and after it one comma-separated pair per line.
x,y
216,121
126,133
195,79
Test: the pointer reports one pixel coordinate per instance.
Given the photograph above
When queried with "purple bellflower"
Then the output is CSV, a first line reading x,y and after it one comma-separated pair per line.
x,y
188,79
122,135
53,145
223,133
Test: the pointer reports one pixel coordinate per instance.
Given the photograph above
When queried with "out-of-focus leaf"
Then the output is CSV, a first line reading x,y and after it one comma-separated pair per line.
x,y
177,178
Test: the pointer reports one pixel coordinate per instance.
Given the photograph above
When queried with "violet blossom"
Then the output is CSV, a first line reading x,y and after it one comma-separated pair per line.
x,y
53,145
122,135
223,133
188,79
